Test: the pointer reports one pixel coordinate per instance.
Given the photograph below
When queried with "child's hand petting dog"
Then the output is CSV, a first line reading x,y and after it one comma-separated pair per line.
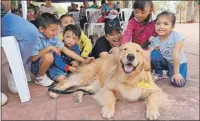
x,y
55,49
75,64
73,69
88,60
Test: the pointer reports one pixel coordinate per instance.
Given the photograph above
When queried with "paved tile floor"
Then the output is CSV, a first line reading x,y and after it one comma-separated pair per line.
x,y
182,103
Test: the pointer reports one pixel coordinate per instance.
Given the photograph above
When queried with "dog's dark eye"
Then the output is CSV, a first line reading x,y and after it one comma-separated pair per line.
x,y
137,51
124,49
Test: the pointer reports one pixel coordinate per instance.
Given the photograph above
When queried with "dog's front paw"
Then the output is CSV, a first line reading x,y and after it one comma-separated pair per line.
x,y
53,95
107,112
152,115
78,96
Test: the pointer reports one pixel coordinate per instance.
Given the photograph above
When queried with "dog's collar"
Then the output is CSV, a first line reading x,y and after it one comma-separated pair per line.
x,y
144,83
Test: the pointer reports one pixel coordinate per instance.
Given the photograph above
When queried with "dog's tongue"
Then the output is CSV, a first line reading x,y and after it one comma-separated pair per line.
x,y
128,68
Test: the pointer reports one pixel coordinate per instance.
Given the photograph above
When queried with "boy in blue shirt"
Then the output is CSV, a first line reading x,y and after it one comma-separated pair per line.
x,y
46,45
63,63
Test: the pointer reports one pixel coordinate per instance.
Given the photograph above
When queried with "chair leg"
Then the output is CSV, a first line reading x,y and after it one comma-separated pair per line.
x,y
12,52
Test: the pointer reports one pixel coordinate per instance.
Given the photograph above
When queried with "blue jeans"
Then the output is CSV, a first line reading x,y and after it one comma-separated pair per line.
x,y
25,33
159,63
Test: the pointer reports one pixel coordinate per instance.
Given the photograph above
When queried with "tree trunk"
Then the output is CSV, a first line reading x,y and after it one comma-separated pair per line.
x,y
190,11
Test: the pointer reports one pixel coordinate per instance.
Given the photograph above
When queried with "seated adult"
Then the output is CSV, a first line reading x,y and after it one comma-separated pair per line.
x,y
25,33
111,39
74,8
48,8
94,4
108,6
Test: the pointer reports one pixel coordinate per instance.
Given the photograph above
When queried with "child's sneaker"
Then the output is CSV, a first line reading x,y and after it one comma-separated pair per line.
x,y
43,81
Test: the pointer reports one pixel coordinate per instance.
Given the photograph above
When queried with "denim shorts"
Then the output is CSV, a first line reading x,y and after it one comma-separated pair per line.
x,y
54,72
35,66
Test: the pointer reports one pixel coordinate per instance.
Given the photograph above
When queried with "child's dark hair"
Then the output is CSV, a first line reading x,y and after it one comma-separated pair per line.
x,y
65,15
75,29
103,2
169,14
140,4
45,19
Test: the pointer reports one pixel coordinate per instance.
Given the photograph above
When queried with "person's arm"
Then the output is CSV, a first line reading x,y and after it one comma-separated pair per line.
x,y
128,32
88,45
176,63
44,51
176,56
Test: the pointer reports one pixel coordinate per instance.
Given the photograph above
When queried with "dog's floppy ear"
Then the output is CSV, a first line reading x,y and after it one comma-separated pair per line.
x,y
114,51
147,62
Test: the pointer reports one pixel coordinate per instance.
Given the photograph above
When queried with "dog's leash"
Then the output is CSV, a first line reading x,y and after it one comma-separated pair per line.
x,y
67,91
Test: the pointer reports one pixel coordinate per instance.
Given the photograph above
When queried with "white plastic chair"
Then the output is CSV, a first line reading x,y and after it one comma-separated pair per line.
x,y
24,8
75,15
126,12
13,55
89,13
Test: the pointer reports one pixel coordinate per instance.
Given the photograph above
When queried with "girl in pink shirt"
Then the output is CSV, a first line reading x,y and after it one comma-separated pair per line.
x,y
140,26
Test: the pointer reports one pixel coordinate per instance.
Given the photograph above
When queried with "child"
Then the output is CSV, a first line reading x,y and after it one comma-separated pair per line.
x,y
140,26
57,71
167,50
48,43
84,43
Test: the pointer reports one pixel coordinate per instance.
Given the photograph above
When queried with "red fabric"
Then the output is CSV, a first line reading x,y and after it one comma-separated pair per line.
x,y
134,29
101,19
67,68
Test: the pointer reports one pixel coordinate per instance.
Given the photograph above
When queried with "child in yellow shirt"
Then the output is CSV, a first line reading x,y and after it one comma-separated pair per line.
x,y
84,43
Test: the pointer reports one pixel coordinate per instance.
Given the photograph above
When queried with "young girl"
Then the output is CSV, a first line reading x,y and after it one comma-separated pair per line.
x,y
84,43
140,26
167,50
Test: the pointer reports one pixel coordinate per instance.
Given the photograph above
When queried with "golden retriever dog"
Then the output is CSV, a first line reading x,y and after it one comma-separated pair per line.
x,y
124,74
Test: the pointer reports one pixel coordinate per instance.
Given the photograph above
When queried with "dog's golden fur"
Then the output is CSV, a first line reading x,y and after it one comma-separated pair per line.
x,y
115,76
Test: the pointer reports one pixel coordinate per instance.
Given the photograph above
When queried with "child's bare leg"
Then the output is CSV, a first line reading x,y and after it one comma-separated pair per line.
x,y
47,60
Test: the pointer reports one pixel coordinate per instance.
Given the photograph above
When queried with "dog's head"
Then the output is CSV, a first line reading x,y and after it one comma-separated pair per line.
x,y
131,58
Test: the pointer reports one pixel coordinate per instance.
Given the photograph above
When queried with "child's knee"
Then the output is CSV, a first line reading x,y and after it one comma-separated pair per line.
x,y
48,58
154,55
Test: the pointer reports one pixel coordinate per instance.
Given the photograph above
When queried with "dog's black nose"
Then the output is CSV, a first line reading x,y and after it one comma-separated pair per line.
x,y
130,57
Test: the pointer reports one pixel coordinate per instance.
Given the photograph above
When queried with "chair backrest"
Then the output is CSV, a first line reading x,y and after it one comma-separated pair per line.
x,y
92,14
75,15
126,13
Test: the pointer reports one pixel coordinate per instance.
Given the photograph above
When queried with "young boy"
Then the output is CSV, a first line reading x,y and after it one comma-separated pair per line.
x,y
61,65
46,45
84,42
111,39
